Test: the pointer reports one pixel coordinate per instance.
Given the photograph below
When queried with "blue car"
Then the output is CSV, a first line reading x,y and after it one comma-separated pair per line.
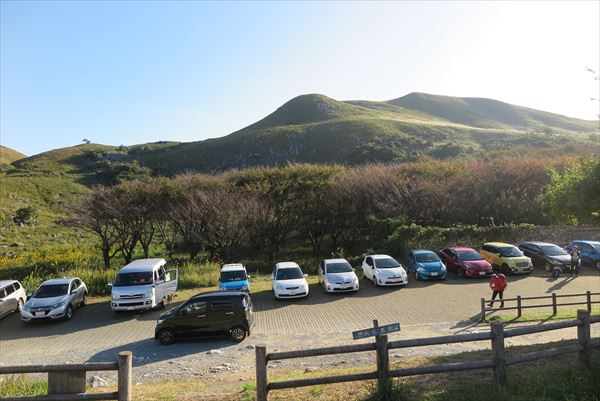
x,y
589,251
234,278
426,265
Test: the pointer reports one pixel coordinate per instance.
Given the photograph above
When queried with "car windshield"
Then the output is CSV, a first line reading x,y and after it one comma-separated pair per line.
x,y
595,245
293,273
510,252
469,255
51,291
234,275
135,278
426,257
341,267
553,250
387,263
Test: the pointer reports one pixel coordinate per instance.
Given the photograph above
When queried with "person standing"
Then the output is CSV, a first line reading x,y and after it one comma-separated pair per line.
x,y
575,260
498,283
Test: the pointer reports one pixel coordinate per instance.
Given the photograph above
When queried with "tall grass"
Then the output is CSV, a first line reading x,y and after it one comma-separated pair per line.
x,y
13,386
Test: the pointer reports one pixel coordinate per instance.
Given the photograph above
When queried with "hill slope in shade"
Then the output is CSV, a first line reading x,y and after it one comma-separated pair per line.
x,y
8,155
317,129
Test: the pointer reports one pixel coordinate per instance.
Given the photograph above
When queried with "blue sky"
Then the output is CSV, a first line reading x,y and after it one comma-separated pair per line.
x,y
134,72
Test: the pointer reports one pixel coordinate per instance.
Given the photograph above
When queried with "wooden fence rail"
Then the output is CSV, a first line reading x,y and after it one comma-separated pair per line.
x,y
553,299
68,382
499,361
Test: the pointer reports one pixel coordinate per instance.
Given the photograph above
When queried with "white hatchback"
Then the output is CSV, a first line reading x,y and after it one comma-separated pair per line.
x,y
288,281
336,275
383,270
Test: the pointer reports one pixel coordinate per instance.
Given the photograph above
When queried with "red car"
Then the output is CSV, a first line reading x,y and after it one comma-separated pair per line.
x,y
466,262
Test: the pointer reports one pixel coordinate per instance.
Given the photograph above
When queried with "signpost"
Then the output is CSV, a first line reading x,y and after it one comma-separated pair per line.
x,y
376,330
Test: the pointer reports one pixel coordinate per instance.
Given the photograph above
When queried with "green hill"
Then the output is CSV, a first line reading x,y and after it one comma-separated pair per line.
x,y
8,155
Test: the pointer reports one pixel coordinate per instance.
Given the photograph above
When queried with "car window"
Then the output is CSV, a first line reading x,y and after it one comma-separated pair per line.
x,y
387,263
161,273
426,257
194,308
221,306
2,293
485,248
51,290
292,273
370,261
339,267
74,285
9,290
470,255
17,286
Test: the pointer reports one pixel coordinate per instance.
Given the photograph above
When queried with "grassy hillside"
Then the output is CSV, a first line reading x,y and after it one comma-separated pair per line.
x,y
8,155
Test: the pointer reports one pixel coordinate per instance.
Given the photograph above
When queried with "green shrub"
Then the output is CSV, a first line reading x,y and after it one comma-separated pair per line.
x,y
14,386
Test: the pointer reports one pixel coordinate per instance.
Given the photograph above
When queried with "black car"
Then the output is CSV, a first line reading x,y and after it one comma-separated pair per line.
x,y
546,255
208,314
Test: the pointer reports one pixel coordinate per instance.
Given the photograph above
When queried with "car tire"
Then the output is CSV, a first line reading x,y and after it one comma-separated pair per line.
x,y
20,305
375,281
460,273
238,334
84,301
166,336
417,276
69,313
504,269
597,264
548,267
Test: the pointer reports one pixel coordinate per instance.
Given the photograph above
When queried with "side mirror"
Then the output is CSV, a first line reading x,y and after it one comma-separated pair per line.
x,y
110,284
29,295
306,275
74,291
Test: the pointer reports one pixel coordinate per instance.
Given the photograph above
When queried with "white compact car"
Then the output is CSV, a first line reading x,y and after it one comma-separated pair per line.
x,y
143,284
12,297
288,281
336,275
384,270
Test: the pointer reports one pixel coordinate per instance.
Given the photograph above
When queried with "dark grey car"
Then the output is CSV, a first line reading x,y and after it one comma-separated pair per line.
x,y
546,255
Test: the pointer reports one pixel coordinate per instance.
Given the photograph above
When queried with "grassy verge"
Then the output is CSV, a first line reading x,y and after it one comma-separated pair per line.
x,y
537,316
13,386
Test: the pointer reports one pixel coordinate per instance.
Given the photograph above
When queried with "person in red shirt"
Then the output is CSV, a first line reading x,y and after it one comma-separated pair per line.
x,y
498,284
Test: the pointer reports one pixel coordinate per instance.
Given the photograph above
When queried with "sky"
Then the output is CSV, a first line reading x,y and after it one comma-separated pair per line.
x,y
123,73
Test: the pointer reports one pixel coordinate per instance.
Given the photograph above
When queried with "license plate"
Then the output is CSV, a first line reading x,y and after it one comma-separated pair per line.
x,y
434,274
482,273
40,314
130,308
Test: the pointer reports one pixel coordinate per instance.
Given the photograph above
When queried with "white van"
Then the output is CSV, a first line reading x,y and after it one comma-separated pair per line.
x,y
143,284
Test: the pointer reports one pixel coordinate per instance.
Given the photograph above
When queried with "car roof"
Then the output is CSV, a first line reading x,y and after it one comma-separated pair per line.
x,y
586,241
380,256
218,294
63,280
230,267
539,243
286,265
142,265
415,251
4,283
498,244
461,248
338,260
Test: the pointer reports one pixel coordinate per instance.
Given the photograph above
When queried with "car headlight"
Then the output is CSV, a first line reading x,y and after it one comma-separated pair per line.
x,y
58,305
159,321
420,270
116,296
510,261
278,287
244,287
26,308
148,294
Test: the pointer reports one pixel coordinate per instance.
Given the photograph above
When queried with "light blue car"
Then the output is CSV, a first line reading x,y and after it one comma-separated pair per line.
x,y
426,265
589,251
234,278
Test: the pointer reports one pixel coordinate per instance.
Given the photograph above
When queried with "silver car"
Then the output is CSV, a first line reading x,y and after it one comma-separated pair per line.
x,y
55,299
12,297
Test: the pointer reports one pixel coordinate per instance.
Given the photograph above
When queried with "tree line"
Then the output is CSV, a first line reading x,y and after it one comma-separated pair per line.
x,y
256,212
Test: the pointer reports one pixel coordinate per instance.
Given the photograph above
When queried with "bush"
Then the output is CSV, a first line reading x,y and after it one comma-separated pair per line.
x,y
25,215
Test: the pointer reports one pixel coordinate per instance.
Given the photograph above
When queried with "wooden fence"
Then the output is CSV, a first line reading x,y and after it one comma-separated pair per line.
x,y
499,361
68,382
552,298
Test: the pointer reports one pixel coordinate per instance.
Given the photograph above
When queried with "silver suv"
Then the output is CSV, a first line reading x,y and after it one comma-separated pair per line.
x,y
55,299
12,297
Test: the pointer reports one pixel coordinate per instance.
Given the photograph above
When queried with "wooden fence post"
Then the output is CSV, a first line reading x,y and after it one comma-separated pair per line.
x,y
589,301
498,350
124,359
583,337
482,309
262,383
383,360
554,308
518,306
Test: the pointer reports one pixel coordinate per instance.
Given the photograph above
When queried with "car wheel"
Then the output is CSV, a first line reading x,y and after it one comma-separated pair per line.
x,y
20,305
417,276
548,267
597,264
375,283
166,336
238,334
84,301
505,269
69,313
460,273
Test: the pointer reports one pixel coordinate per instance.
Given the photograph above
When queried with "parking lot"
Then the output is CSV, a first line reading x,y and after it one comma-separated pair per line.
x,y
96,333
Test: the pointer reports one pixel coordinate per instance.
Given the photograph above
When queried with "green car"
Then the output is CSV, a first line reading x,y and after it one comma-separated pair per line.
x,y
506,258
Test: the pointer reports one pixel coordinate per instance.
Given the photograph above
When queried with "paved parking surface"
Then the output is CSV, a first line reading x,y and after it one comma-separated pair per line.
x,y
96,333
